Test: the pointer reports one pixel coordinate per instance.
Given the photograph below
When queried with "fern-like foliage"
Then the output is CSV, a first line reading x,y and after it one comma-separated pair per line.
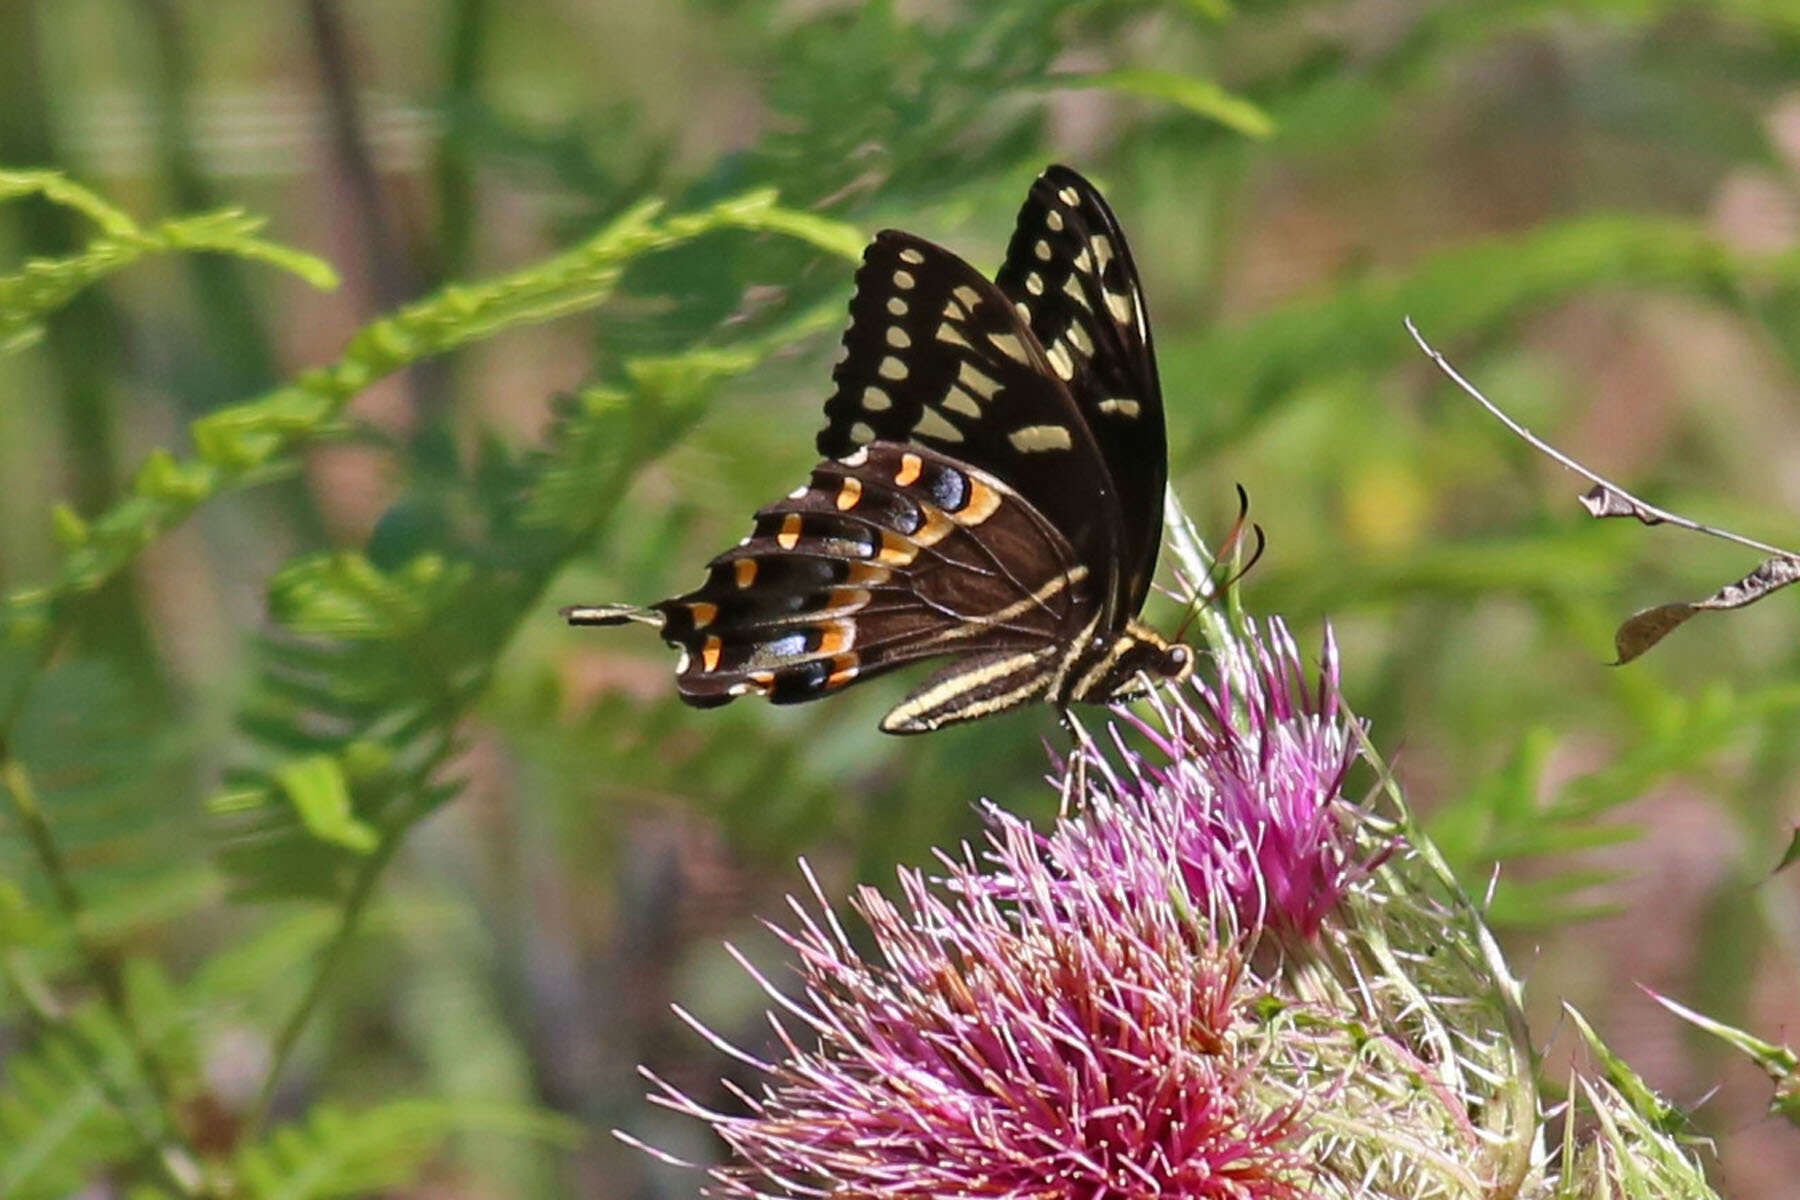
x,y
43,285
373,667
338,1152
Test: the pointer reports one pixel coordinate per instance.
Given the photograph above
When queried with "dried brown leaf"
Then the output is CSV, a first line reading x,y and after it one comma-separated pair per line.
x,y
1603,500
1642,630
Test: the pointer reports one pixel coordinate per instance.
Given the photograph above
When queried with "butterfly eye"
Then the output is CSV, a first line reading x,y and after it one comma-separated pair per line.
x,y
1177,661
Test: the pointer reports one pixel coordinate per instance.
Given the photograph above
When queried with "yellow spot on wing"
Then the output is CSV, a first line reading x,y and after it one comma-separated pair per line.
x,y
932,424
972,377
959,401
789,537
1032,438
1008,345
868,574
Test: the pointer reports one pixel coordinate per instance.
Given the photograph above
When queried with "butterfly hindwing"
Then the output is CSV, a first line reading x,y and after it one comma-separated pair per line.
x,y
893,554
936,355
1069,268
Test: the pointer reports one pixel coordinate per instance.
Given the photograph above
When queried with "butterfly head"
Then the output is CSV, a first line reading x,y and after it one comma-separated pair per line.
x,y
1119,670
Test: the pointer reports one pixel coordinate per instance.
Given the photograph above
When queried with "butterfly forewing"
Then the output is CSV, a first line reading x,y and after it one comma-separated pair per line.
x,y
1069,269
893,554
936,355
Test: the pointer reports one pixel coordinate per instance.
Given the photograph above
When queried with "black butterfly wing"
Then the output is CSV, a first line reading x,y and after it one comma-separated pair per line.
x,y
937,356
890,555
1070,271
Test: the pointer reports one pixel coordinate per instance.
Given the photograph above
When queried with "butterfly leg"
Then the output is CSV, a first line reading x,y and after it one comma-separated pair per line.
x,y
1074,785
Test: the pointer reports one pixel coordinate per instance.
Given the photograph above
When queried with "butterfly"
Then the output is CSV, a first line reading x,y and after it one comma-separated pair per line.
x,y
991,492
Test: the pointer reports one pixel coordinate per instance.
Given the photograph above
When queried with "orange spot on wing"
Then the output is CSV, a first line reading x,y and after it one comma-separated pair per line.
x,y
762,681
709,654
836,637
936,527
789,537
911,466
704,614
849,494
843,670
980,505
896,550
868,574
746,572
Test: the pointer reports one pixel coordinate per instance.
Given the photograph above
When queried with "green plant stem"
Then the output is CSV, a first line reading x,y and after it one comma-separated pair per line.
x,y
356,902
467,23
101,967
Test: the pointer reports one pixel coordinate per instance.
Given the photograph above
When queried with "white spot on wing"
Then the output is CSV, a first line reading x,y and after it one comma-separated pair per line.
x,y
911,256
857,458
892,368
1034,283
1060,361
896,306
1032,438
1072,285
1119,306
1083,260
1054,220
1124,408
948,334
1078,338
876,400
798,492
904,280
967,296
862,431
1069,196
896,337
1042,249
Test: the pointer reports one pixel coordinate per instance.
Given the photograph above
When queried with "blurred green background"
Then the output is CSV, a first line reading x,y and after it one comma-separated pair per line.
x,y
312,665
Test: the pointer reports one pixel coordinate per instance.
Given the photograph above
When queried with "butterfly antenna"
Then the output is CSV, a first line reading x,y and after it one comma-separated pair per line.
x,y
610,614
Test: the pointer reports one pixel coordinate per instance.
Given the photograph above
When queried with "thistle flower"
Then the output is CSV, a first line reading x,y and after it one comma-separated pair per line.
x,y
1243,783
1079,1013
1077,1037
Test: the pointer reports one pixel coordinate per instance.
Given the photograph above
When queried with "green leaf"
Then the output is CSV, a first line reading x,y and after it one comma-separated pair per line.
x,y
1202,97
318,790
1791,855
